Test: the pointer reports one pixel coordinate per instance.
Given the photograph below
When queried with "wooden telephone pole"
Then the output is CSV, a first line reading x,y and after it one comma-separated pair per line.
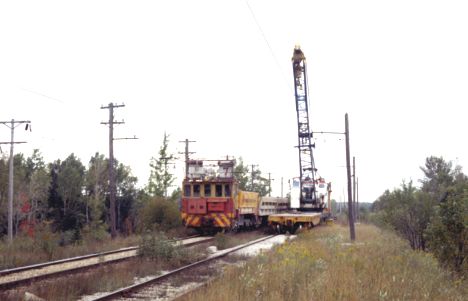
x,y
350,196
187,154
112,187
12,125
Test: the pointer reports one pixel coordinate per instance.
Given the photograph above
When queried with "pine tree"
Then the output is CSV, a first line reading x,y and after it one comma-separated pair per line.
x,y
160,179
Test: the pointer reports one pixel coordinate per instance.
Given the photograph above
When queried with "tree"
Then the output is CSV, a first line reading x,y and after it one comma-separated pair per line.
x,y
96,182
407,211
241,172
3,194
21,204
126,198
160,179
39,182
438,176
65,194
160,214
97,198
251,181
447,233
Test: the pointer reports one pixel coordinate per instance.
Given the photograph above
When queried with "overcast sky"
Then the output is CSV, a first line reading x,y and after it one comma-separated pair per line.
x,y
219,72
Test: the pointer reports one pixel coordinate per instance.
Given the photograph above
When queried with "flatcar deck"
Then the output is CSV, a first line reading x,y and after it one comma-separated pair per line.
x,y
294,220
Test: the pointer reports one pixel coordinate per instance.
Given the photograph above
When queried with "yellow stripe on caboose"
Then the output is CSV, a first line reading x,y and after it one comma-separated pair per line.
x,y
219,222
196,221
225,219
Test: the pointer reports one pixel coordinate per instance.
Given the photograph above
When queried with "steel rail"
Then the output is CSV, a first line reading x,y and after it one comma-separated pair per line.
x,y
14,283
129,289
77,258
60,261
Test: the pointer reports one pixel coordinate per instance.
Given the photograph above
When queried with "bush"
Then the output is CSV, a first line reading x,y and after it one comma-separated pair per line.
x,y
221,241
160,214
156,247
95,233
11,254
47,241
447,233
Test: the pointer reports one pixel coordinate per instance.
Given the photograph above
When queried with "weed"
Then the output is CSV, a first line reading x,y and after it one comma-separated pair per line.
x,y
221,241
322,264
156,246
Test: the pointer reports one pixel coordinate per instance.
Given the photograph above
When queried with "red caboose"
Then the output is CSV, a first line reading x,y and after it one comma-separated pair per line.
x,y
211,200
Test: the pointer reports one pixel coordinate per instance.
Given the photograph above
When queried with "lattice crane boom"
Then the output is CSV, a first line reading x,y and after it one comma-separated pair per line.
x,y
308,180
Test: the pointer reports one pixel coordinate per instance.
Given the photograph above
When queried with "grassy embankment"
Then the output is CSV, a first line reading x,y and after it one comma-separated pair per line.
x,y
322,265
26,251
46,246
157,255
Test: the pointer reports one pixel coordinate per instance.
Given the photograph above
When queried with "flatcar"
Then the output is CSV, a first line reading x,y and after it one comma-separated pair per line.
x,y
212,201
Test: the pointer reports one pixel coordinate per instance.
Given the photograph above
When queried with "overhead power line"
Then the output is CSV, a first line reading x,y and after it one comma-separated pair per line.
x,y
286,81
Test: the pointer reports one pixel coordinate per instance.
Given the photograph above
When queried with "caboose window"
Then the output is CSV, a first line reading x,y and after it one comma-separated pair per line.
x,y
187,190
219,190
196,190
227,190
207,190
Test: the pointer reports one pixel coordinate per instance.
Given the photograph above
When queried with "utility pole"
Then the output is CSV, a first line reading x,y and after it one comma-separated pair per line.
x,y
253,165
269,183
12,125
165,171
187,153
281,186
348,168
354,188
112,188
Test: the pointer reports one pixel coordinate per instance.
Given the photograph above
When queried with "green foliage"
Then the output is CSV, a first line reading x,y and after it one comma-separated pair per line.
x,y
408,212
126,199
221,241
160,214
66,202
334,206
251,181
241,172
447,233
176,195
439,176
70,181
363,214
160,179
323,265
95,233
31,184
96,182
38,192
46,240
434,217
156,247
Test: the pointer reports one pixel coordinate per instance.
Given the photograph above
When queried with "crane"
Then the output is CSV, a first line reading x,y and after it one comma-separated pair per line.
x,y
308,196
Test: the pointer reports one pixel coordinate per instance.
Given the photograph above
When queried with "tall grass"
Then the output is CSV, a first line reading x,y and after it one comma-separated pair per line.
x,y
107,277
323,265
45,247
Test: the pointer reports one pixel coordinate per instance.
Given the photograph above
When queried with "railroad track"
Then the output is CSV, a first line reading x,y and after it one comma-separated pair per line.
x,y
153,287
23,275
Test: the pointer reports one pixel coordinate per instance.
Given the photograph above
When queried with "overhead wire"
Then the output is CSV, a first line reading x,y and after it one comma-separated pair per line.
x,y
269,46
